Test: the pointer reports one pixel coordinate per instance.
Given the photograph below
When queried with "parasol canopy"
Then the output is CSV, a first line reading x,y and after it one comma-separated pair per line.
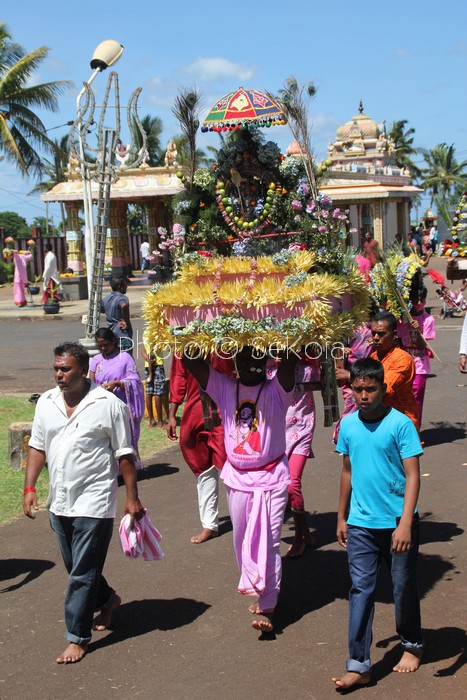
x,y
436,276
243,108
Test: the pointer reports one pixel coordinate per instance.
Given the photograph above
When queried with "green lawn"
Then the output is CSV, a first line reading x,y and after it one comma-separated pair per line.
x,y
17,408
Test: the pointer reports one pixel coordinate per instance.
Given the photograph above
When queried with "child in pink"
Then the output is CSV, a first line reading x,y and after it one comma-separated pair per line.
x,y
299,430
414,343
256,473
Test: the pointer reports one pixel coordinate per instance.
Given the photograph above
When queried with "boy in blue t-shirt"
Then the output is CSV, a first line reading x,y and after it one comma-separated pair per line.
x,y
381,481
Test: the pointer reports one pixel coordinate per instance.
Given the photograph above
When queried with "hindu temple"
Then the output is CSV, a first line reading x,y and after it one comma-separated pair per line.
x,y
364,178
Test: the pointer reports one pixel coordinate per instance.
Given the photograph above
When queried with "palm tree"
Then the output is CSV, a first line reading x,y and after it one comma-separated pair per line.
x,y
443,173
184,155
403,146
55,171
22,133
153,128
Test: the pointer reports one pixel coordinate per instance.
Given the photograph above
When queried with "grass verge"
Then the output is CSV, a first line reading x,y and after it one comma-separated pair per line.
x,y
17,408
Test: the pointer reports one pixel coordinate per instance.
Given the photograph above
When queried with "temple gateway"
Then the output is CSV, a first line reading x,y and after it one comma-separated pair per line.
x,y
150,187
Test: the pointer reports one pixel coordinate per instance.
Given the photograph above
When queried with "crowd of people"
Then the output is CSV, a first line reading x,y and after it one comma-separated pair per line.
x,y
249,421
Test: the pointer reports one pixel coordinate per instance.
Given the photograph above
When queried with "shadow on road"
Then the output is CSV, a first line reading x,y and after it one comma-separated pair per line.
x,y
440,645
321,576
142,616
434,531
442,433
153,471
31,568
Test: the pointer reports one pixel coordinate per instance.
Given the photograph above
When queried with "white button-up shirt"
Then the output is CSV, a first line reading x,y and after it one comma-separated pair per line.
x,y
81,451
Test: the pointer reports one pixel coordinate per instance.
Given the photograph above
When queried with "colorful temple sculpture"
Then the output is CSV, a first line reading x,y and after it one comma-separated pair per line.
x,y
150,187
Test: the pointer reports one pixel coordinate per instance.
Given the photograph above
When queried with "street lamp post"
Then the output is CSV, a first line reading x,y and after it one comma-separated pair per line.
x,y
101,169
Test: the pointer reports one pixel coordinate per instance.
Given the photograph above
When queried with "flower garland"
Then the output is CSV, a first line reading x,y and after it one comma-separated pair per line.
x,y
236,221
405,273
395,275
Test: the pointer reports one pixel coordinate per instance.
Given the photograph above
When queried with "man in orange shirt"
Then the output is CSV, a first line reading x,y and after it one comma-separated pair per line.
x,y
399,368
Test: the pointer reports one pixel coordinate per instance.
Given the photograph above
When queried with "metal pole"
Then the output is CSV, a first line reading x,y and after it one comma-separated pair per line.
x,y
86,179
103,205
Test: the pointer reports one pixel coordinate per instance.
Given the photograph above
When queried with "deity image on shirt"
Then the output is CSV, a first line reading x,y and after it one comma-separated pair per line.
x,y
246,434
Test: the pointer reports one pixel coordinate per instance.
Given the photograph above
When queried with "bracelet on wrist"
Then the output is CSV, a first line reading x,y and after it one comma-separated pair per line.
x,y
29,489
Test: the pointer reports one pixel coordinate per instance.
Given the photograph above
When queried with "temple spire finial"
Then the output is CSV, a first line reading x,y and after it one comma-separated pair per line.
x,y
360,109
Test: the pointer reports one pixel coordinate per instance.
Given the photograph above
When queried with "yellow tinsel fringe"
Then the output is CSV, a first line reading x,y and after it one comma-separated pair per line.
x,y
312,294
302,260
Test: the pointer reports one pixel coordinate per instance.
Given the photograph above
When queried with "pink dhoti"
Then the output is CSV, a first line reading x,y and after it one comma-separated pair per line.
x,y
257,515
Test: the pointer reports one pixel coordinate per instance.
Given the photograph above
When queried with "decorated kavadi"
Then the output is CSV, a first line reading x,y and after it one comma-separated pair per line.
x,y
224,304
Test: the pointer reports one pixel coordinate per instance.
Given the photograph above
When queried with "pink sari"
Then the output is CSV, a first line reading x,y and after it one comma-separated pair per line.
x,y
21,277
122,368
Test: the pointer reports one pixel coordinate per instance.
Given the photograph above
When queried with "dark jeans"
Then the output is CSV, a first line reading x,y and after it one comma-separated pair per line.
x,y
83,543
365,549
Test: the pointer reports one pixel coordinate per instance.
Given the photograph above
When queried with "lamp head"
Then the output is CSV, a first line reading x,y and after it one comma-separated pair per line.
x,y
106,54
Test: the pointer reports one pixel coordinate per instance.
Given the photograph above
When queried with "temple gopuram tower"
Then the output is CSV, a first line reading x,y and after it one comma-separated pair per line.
x,y
364,178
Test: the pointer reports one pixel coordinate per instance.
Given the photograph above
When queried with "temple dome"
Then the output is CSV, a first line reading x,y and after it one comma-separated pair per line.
x,y
293,149
360,126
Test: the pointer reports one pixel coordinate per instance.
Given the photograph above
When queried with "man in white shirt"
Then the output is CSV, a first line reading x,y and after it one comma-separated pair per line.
x,y
144,250
463,348
50,276
82,430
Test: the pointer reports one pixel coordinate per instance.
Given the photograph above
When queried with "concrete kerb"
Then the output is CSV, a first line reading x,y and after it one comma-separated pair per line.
x,y
69,310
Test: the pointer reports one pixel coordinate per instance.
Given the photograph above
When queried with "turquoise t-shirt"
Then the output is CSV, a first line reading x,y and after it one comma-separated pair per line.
x,y
376,450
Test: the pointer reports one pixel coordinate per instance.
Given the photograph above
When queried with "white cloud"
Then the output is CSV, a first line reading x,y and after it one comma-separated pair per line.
x,y
218,68
402,53
160,92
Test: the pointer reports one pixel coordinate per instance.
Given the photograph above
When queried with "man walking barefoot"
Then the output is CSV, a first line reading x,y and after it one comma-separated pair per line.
x,y
81,429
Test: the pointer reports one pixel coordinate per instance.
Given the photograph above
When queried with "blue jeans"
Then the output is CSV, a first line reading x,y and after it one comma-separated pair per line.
x,y
365,549
83,544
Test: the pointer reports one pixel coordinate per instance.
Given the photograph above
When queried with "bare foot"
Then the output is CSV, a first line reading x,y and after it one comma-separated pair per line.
x,y
205,535
73,653
410,661
299,545
351,679
104,619
263,619
151,424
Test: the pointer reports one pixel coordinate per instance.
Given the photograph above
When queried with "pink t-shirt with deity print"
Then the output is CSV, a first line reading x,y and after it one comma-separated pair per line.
x,y
254,428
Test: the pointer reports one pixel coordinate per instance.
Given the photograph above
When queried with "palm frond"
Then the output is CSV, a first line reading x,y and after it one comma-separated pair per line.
x,y
186,109
291,99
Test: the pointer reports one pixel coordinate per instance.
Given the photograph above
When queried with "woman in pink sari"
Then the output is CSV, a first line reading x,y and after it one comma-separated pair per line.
x,y
20,280
116,371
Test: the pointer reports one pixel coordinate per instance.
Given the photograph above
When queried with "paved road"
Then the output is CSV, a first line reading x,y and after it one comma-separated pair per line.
x,y
26,351
182,631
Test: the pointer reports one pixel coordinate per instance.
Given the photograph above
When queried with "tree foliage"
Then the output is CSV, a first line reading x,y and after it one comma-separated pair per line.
x,y
153,128
14,224
22,133
443,174
403,146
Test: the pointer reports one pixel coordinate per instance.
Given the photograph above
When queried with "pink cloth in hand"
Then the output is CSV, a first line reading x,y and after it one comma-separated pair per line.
x,y
143,540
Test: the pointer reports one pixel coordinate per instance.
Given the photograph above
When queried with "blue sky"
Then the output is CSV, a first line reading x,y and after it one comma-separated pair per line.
x,y
404,60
